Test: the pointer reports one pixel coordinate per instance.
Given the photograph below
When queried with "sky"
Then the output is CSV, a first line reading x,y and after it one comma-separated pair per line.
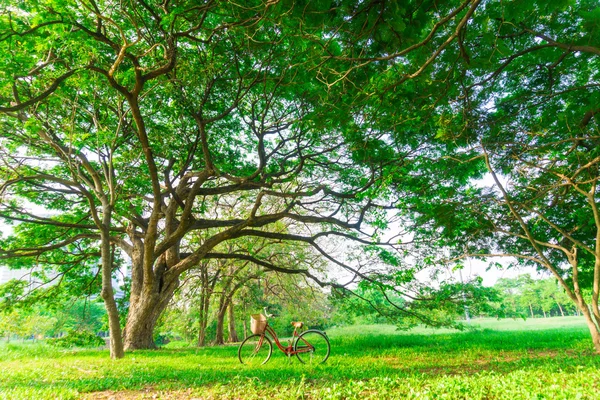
x,y
479,268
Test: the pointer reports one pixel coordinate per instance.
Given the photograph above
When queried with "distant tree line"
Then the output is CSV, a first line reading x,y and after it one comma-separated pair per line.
x,y
520,297
525,297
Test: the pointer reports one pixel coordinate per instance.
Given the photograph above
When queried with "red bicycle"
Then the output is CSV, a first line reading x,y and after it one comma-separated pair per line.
x,y
311,346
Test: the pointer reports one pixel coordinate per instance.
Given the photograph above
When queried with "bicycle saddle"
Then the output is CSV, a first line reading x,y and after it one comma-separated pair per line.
x,y
297,324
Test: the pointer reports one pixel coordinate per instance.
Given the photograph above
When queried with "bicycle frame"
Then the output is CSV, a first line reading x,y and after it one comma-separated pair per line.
x,y
289,349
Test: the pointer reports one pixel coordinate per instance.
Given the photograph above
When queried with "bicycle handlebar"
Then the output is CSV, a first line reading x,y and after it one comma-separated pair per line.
x,y
267,313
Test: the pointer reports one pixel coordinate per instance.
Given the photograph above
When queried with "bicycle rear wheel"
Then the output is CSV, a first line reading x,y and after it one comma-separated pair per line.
x,y
312,347
255,350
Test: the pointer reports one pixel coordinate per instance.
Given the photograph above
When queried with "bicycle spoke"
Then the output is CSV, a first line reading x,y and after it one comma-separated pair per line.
x,y
312,347
255,350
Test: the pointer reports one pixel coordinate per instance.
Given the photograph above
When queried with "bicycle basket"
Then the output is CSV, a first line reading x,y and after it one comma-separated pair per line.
x,y
258,323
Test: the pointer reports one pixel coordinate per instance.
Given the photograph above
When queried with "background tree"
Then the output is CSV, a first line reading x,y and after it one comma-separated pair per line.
x,y
511,100
11,324
524,297
529,295
539,145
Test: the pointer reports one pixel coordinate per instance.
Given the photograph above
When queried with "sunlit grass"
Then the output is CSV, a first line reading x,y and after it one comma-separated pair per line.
x,y
541,360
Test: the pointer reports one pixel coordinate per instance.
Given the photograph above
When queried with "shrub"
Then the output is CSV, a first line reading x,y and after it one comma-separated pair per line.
x,y
78,339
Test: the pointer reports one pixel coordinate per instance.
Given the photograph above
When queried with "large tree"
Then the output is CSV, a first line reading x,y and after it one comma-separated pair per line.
x,y
522,113
127,124
540,145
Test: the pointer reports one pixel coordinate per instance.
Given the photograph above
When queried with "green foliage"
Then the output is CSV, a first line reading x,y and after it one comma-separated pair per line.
x,y
79,315
173,121
524,297
442,306
77,339
11,292
39,321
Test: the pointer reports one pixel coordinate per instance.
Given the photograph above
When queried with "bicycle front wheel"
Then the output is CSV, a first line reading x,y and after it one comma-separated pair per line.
x,y
255,350
312,347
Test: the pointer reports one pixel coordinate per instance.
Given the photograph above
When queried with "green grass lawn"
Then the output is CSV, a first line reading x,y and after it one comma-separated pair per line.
x,y
533,359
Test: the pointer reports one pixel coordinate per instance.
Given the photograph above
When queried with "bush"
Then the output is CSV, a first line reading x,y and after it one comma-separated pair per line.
x,y
78,339
162,339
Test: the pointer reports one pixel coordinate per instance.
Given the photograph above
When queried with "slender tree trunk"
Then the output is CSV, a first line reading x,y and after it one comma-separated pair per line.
x,y
531,310
208,285
202,334
562,313
224,303
544,313
107,293
233,336
219,336
204,306
594,330
580,303
202,321
224,300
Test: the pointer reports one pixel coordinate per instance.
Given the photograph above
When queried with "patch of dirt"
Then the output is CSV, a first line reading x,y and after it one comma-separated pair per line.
x,y
144,394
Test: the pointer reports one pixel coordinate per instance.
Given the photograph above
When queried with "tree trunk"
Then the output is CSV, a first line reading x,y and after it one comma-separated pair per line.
x,y
562,313
531,310
207,288
594,331
202,334
143,314
219,336
107,293
544,313
203,317
233,337
224,303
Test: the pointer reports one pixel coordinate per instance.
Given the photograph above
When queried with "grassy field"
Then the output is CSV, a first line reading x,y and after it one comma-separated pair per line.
x,y
533,359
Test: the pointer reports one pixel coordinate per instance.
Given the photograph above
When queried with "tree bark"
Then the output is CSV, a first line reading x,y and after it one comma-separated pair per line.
x,y
219,336
202,334
148,300
224,303
206,290
203,317
562,313
142,318
205,294
594,330
107,293
233,336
